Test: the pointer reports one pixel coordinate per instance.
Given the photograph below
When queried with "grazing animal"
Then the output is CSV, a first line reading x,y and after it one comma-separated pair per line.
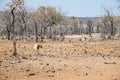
x,y
84,39
37,47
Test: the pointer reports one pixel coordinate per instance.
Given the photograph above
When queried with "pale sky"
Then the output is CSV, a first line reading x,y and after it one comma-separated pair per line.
x,y
79,8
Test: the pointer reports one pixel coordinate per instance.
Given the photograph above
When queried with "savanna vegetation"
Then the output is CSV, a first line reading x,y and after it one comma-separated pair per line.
x,y
68,48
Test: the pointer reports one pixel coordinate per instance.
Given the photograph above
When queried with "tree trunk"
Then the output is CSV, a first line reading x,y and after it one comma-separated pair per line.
x,y
8,32
90,31
14,34
36,32
112,29
25,32
25,28
14,47
44,32
8,35
50,32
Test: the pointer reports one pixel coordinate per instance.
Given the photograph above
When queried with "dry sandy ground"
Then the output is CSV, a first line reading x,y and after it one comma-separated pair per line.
x,y
61,60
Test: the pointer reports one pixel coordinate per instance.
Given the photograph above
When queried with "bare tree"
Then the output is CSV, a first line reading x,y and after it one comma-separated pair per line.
x,y
34,18
7,21
16,4
90,24
24,17
108,23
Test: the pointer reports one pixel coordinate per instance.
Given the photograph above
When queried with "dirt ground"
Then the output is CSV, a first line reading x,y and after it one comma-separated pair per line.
x,y
68,60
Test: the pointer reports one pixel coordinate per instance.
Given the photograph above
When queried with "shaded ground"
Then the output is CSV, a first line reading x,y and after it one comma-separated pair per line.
x,y
61,60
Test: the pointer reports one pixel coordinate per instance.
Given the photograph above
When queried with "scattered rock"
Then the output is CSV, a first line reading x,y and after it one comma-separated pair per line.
x,y
53,71
110,63
6,77
24,57
47,71
47,64
86,74
32,74
50,75
27,70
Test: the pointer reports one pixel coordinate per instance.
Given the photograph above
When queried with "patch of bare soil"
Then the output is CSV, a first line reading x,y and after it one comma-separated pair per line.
x,y
68,60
